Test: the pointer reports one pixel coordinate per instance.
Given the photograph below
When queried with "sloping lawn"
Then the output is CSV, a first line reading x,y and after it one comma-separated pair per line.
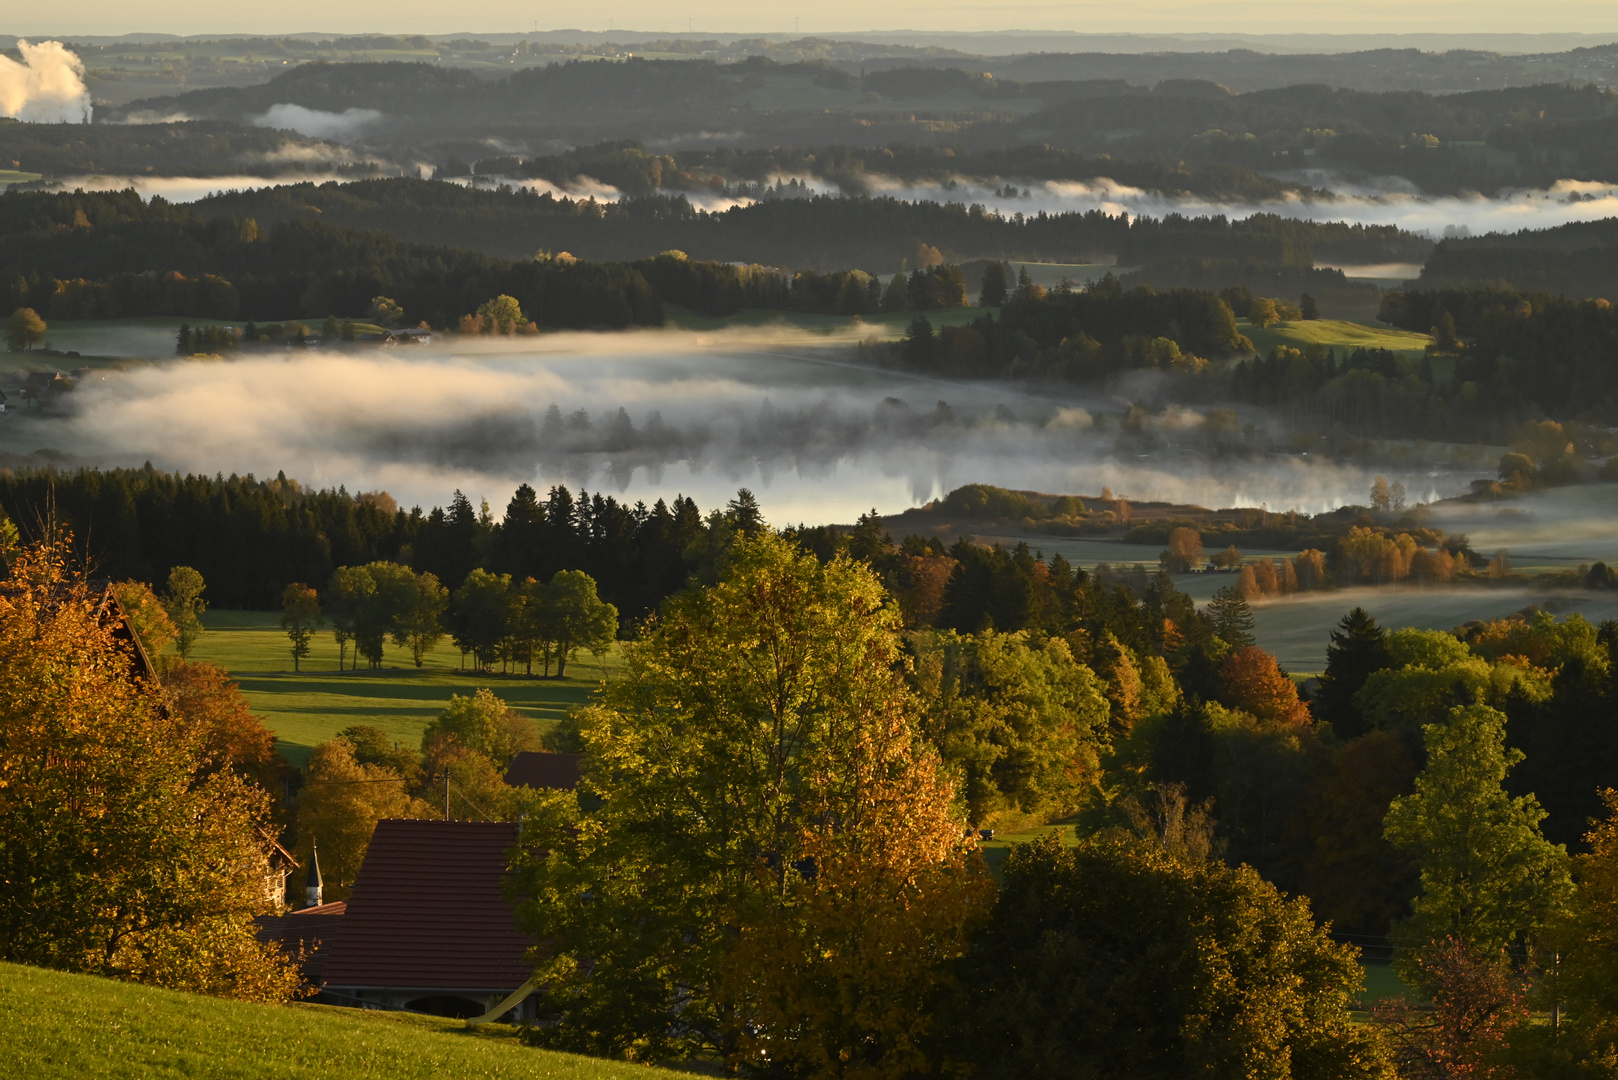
x,y
76,1026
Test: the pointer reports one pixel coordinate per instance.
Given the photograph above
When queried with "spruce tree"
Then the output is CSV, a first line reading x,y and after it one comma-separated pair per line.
x,y
1359,648
1232,619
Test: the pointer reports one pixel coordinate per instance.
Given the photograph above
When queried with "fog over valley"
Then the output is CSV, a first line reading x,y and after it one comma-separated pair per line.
x,y
645,416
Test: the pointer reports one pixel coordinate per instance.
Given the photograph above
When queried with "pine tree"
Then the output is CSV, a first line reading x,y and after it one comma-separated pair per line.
x,y
1359,647
1232,619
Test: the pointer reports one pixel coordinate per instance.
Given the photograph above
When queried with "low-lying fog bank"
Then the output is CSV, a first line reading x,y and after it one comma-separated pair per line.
x,y
1297,629
647,415
1388,202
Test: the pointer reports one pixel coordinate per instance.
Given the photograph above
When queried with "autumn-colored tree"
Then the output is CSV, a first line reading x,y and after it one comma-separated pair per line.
x,y
1118,958
300,619
184,603
763,795
1228,559
1582,954
122,852
147,617
502,315
1381,497
1265,577
338,808
1261,312
1251,680
206,697
840,978
1184,552
918,583
1247,583
1310,568
1477,1002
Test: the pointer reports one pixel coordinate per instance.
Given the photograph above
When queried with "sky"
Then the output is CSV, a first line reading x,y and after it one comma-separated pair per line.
x,y
826,16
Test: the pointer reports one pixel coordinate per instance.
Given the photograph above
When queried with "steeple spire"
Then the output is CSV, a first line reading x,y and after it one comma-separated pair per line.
x,y
313,887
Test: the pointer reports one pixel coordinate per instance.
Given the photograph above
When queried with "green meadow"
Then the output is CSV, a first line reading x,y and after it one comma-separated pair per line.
x,y
1336,333
64,1027
307,707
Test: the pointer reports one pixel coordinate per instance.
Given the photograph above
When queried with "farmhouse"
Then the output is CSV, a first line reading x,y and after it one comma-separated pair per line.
x,y
427,927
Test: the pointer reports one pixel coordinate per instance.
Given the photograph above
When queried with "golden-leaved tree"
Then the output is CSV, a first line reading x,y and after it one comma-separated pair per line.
x,y
124,849
773,872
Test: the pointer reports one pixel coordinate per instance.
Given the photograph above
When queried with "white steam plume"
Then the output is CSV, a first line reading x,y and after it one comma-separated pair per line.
x,y
46,88
317,124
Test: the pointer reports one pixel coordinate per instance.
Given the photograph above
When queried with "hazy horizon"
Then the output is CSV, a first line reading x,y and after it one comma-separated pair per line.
x,y
1155,17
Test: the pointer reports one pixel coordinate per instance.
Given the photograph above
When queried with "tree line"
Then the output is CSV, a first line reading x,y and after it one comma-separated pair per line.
x,y
1184,760
491,618
88,256
821,232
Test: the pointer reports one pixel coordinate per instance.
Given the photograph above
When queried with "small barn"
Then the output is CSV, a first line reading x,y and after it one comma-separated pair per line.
x,y
427,926
540,769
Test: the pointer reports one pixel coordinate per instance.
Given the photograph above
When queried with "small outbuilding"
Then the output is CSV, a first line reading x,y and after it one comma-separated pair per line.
x,y
427,927
541,769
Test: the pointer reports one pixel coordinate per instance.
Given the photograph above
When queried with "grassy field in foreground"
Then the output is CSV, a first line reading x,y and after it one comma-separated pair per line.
x,y
71,1026
309,707
1339,333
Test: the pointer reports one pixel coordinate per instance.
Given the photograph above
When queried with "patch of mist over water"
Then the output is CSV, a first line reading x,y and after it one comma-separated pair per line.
x,y
316,123
1569,525
1537,208
647,415
185,189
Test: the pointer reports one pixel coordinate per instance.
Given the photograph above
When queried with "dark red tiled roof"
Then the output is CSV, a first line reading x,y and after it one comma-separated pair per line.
x,y
428,912
313,930
536,769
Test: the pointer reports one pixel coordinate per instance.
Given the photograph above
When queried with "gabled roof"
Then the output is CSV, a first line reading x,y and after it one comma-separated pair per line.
x,y
536,769
428,912
312,931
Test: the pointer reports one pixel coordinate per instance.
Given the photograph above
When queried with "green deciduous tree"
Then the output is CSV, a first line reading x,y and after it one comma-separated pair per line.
x,y
1488,878
300,606
184,603
763,795
147,617
502,315
1120,958
484,723
481,618
1019,721
574,618
347,597
24,330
